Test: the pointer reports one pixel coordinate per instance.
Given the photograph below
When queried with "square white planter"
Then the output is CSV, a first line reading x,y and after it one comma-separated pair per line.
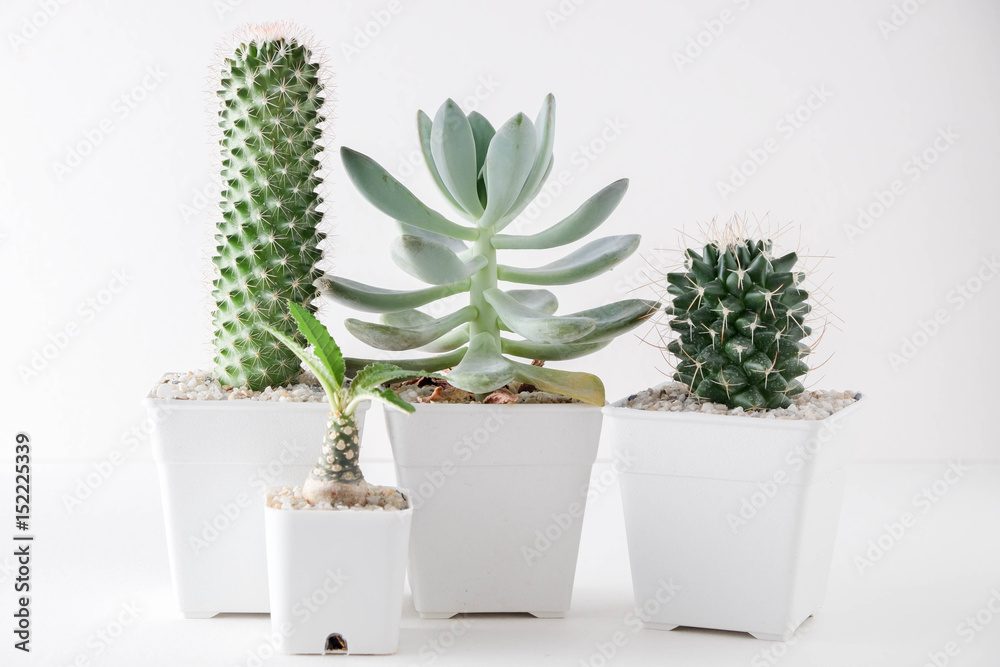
x,y
336,579
215,459
499,493
731,521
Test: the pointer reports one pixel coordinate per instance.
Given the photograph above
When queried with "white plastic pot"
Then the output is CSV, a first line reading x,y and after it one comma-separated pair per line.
x,y
215,459
499,493
731,521
336,579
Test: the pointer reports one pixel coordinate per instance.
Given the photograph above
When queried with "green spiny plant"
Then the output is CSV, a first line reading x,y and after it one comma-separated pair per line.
x,y
488,176
337,477
268,240
738,314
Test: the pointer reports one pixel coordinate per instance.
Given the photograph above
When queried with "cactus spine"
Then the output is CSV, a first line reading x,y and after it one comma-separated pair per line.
x,y
738,314
267,255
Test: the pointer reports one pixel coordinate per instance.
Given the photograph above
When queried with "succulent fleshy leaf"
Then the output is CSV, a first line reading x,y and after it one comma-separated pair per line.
x,y
536,326
581,386
545,127
591,260
388,337
423,365
545,352
453,147
377,300
270,114
432,262
581,222
616,318
739,316
509,161
424,125
392,198
540,300
483,369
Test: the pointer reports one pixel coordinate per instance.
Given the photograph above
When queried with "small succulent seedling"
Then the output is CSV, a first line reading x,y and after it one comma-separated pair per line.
x,y
268,240
337,477
488,176
738,314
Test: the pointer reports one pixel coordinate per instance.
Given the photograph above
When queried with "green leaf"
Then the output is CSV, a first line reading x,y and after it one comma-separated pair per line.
x,y
325,348
406,318
377,374
377,300
581,386
592,259
326,379
387,396
424,131
616,318
536,326
455,245
545,127
387,337
591,214
540,300
428,364
528,350
432,262
454,149
508,163
392,198
448,342
483,369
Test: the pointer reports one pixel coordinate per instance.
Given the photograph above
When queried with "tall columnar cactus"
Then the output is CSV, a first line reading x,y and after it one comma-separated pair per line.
x,y
739,318
488,177
270,114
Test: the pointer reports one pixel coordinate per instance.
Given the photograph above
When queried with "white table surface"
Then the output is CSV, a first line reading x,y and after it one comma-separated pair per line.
x,y
108,560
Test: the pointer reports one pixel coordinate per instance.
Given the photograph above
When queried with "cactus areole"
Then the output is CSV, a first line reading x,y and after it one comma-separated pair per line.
x,y
739,318
488,176
270,99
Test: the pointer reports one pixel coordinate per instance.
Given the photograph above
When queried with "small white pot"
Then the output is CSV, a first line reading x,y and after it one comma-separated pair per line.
x,y
336,579
499,493
215,459
731,521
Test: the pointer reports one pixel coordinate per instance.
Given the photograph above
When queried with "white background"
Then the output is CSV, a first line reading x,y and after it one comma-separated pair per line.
x,y
676,131
138,209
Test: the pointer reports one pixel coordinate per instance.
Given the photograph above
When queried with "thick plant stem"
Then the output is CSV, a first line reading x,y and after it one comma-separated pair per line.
x,y
337,477
487,320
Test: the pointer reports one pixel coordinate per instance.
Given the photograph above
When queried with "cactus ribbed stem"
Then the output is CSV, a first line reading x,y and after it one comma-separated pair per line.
x,y
268,239
337,477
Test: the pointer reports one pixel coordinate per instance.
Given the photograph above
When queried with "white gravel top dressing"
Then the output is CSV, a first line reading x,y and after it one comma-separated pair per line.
x,y
380,499
202,386
676,397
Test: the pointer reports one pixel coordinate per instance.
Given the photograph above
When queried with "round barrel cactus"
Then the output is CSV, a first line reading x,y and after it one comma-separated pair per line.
x,y
738,315
270,114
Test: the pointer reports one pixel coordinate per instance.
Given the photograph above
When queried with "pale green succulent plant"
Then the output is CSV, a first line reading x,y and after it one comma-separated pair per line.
x,y
488,177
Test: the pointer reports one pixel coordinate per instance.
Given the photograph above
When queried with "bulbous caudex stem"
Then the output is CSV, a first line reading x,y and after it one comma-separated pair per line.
x,y
337,477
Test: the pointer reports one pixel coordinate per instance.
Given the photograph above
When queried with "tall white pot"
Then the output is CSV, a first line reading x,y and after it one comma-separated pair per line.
x,y
336,579
215,459
731,521
499,493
